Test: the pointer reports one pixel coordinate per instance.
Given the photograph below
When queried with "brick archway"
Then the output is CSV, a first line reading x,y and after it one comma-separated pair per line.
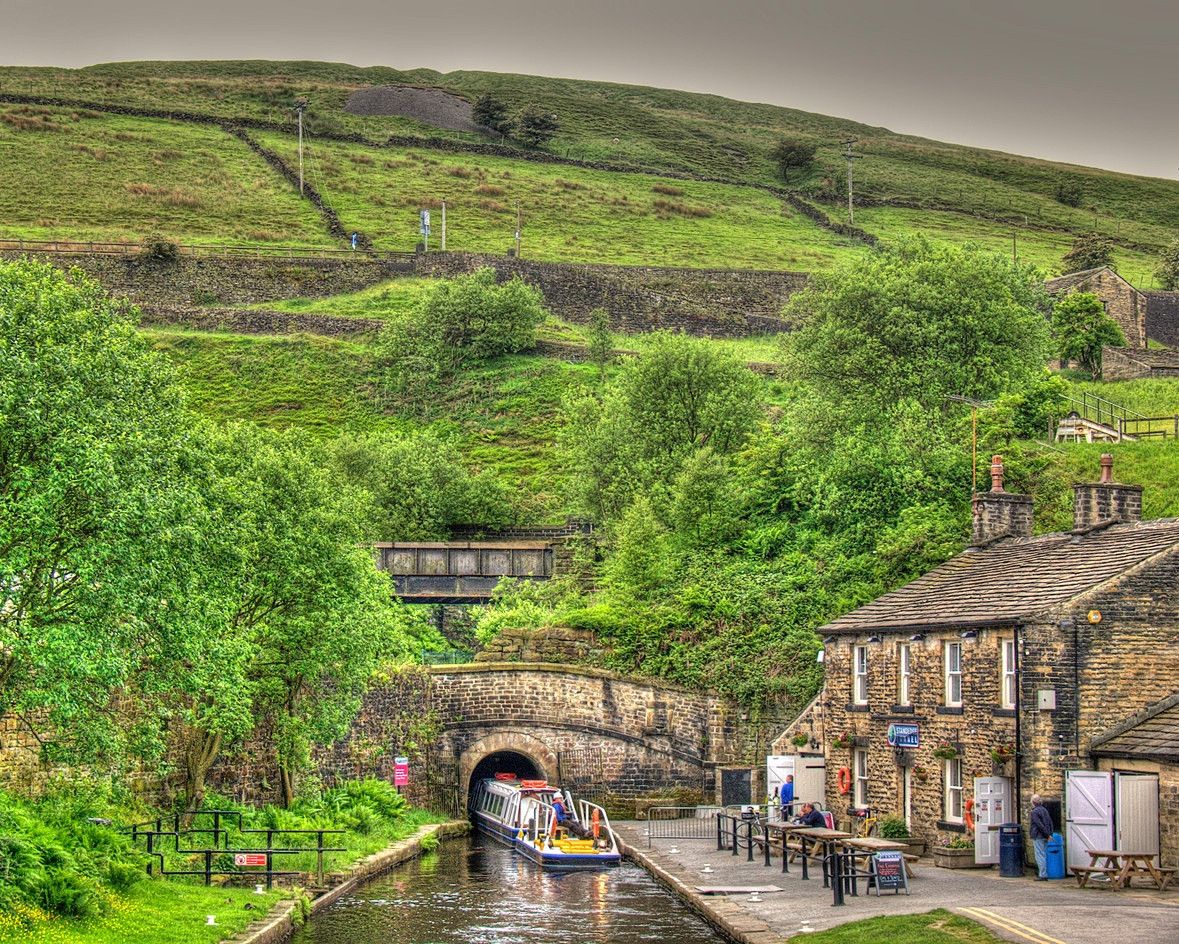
x,y
519,742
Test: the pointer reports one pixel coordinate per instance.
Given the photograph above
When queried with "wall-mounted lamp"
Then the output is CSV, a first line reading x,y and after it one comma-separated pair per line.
x,y
873,638
917,637
827,640
969,634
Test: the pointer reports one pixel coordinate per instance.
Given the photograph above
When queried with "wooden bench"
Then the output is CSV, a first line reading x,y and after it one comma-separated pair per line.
x,y
1085,873
1166,875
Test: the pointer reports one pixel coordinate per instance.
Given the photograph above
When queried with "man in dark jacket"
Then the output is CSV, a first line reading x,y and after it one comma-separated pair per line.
x,y
810,817
1041,830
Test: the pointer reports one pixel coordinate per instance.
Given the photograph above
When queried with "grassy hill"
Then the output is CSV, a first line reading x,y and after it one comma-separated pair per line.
x,y
952,192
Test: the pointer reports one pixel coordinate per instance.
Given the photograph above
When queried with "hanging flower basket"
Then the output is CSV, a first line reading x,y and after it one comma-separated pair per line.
x,y
1002,753
842,741
921,773
800,740
946,751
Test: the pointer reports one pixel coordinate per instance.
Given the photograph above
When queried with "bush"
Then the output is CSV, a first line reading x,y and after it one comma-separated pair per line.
x,y
1069,192
159,251
534,126
1089,251
492,113
1168,271
793,154
1082,328
893,827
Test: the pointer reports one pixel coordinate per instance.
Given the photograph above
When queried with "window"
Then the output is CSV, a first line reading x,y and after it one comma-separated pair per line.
x,y
860,670
860,764
954,675
903,674
952,778
1007,693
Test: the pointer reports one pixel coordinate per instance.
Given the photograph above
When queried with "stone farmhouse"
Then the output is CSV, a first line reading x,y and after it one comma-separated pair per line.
x,y
1123,302
1037,664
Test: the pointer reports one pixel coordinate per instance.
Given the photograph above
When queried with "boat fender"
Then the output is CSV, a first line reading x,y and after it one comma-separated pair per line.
x,y
596,823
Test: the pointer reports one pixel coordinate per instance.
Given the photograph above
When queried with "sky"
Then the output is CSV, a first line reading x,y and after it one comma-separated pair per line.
x,y
1086,82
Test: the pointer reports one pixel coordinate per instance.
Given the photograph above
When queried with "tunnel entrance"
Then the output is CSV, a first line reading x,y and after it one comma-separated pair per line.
x,y
503,762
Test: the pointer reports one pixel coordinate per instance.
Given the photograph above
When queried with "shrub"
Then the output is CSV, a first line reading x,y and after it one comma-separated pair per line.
x,y
893,827
68,894
534,126
1089,251
159,251
492,113
793,154
1069,192
1082,328
1168,271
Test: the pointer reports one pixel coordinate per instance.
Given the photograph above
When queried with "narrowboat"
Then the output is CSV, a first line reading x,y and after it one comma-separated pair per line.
x,y
521,814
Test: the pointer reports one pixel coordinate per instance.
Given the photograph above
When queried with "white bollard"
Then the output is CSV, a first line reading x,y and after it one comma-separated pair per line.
x,y
259,889
210,919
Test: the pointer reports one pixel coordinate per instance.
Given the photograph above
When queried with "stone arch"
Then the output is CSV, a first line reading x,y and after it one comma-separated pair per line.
x,y
531,747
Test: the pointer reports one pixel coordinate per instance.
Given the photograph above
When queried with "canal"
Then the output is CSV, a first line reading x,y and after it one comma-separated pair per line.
x,y
475,891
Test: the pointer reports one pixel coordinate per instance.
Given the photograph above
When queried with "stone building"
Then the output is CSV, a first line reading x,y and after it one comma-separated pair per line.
x,y
1022,657
1162,317
1123,302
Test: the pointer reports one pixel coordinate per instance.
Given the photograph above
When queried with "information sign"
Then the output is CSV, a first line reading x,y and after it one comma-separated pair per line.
x,y
890,872
400,771
249,859
425,222
904,735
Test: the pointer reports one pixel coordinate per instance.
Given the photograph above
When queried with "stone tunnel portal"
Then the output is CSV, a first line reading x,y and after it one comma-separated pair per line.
x,y
503,762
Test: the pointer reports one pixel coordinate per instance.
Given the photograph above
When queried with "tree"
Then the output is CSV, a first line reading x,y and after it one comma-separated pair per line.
x,y
912,325
601,340
1069,192
535,126
91,503
1082,328
682,395
793,154
1089,251
492,113
461,321
1168,270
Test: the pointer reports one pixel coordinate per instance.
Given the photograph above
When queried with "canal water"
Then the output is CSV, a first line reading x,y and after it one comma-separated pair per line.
x,y
475,891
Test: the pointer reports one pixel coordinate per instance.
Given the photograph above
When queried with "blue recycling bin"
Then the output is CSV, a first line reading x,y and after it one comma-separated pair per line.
x,y
1011,850
1055,856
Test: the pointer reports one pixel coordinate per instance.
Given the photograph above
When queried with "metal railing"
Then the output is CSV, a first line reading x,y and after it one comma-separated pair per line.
x,y
447,656
681,822
72,246
1100,410
1149,427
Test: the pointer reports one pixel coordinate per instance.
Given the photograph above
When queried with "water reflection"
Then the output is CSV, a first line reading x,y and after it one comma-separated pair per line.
x,y
474,891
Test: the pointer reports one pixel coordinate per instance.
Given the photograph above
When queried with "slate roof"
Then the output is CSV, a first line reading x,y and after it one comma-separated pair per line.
x,y
1152,733
1062,283
1013,578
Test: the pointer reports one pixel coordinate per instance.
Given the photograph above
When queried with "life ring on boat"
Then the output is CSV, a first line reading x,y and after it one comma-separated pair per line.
x,y
845,780
968,816
596,823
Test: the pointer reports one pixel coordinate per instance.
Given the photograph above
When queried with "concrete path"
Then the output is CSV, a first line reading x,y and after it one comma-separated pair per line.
x,y
1021,910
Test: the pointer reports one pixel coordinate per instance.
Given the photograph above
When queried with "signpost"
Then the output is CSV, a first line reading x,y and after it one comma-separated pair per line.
x,y
890,872
904,735
249,860
425,229
400,772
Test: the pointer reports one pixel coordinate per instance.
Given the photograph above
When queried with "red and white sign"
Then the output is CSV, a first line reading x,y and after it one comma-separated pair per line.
x,y
400,771
249,859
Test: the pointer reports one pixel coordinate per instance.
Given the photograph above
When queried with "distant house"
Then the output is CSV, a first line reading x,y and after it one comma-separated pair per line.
x,y
1123,302
1162,317
1026,664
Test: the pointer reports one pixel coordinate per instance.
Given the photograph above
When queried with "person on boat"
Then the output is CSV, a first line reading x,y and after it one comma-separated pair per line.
x,y
810,817
559,809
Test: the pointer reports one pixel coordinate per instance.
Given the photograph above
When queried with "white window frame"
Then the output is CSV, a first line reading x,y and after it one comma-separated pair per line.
x,y
904,674
952,790
859,675
1007,679
952,676
860,777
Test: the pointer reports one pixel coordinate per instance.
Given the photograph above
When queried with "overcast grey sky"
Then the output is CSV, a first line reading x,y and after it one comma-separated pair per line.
x,y
1075,80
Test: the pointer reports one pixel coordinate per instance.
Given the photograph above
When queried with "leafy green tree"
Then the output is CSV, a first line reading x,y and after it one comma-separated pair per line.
x,y
1082,328
91,428
1168,270
491,112
1090,251
682,395
460,322
917,323
418,486
1069,192
534,126
793,154
601,340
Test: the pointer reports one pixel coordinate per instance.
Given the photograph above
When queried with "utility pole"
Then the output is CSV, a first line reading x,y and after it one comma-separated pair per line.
x,y
849,156
518,224
299,106
444,226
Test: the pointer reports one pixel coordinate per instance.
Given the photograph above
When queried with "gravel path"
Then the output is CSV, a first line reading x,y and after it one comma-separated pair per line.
x,y
431,106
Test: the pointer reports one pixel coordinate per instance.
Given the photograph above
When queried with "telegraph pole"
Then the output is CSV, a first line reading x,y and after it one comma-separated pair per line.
x,y
444,226
299,106
518,223
849,156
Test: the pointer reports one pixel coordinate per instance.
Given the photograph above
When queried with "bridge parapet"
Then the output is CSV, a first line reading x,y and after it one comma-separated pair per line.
x,y
460,571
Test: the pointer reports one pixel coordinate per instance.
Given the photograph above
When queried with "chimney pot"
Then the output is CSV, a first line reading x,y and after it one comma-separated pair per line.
x,y
996,473
1105,501
1106,468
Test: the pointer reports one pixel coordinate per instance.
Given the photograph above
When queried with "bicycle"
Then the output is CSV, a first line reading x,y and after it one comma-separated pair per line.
x,y
867,821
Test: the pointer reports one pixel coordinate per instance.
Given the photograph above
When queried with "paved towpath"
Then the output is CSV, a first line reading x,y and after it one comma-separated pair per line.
x,y
1021,910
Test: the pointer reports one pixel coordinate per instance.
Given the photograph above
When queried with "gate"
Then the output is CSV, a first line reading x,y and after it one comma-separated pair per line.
x,y
1088,801
580,771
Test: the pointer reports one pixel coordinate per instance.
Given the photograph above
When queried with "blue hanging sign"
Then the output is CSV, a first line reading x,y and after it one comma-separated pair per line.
x,y
904,735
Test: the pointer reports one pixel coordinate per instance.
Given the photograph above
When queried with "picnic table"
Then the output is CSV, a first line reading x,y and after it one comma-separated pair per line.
x,y
1121,866
827,838
870,845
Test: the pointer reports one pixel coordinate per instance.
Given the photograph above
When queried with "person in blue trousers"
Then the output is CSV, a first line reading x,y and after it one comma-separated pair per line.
x,y
1041,830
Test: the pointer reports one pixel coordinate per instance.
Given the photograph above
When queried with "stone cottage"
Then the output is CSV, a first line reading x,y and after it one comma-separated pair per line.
x,y
1023,657
1123,302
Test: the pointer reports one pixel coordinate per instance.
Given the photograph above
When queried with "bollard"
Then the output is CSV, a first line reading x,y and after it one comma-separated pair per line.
x,y
765,842
734,835
749,839
785,853
836,877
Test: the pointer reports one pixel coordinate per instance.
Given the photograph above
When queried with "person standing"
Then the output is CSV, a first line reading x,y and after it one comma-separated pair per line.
x,y
1041,831
786,796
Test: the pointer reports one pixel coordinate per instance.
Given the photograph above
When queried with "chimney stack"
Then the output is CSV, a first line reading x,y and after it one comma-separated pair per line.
x,y
998,513
1105,501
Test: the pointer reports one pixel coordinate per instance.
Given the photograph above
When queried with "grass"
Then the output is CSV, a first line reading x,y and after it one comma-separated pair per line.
x,y
933,927
387,301
569,214
1042,248
84,176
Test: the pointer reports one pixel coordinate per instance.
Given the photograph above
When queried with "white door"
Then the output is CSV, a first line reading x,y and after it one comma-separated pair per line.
x,y
778,768
992,808
810,780
1137,811
1088,805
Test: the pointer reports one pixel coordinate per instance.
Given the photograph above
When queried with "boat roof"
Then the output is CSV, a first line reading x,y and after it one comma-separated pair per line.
x,y
512,782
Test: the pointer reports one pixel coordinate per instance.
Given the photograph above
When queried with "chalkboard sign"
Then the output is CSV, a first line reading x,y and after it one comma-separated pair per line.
x,y
890,872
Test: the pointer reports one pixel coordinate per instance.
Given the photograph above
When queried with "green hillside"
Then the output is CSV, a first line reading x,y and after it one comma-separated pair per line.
x,y
952,192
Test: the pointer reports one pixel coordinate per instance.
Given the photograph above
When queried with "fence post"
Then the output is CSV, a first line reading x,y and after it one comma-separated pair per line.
x,y
836,877
208,867
785,852
749,838
735,841
765,840
269,869
719,835
319,859
150,850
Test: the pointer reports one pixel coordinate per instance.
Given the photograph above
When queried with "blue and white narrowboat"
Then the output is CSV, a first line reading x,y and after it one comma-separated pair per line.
x,y
521,814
